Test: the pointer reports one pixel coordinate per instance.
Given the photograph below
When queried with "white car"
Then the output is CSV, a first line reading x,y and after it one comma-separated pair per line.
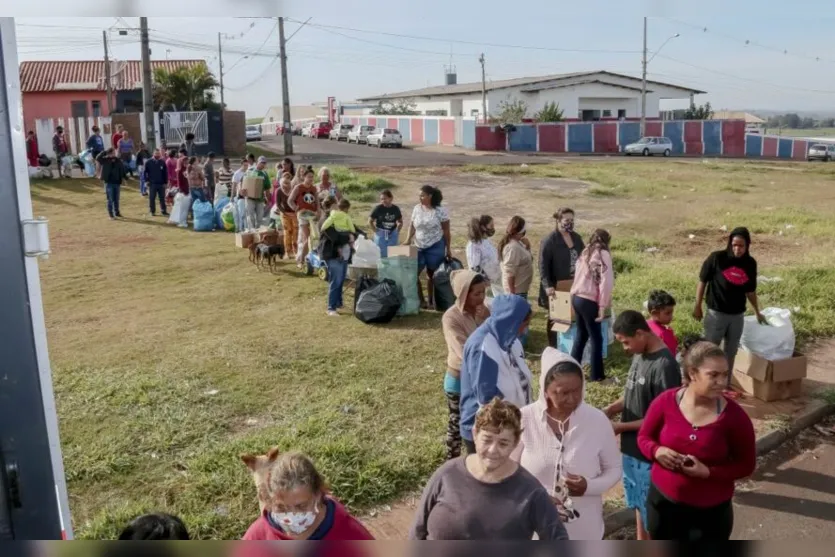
x,y
307,129
340,132
648,146
385,137
253,133
359,134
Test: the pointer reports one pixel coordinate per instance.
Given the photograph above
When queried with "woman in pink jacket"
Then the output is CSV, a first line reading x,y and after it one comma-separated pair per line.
x,y
569,447
591,296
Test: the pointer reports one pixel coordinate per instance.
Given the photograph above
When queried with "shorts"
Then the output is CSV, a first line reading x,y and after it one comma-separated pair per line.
x,y
636,482
431,258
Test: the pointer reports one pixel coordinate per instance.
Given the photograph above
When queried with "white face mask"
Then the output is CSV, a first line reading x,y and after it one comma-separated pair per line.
x,y
295,523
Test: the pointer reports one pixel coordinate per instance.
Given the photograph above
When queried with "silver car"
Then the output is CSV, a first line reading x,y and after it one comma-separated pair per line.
x,y
385,137
821,152
253,133
340,132
359,134
647,146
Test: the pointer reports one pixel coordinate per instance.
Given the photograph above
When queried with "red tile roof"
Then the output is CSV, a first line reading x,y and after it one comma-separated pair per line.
x,y
88,75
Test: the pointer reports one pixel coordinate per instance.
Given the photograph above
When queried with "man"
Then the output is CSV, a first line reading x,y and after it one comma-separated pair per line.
x,y
255,206
188,145
209,173
112,174
654,370
59,146
238,178
156,176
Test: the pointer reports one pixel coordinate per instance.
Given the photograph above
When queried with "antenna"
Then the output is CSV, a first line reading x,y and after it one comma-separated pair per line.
x,y
450,75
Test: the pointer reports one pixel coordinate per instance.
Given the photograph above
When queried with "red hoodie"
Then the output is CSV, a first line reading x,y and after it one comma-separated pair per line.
x,y
344,527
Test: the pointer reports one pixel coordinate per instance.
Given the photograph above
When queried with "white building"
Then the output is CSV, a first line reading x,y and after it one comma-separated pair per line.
x,y
583,96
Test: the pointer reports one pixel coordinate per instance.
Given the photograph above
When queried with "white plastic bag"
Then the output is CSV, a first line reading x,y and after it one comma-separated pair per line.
x,y
367,253
179,214
774,341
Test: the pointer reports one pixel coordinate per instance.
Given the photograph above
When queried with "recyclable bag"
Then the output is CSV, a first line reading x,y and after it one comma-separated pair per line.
x,y
367,253
220,204
228,217
240,209
404,272
179,213
380,302
442,282
204,216
774,341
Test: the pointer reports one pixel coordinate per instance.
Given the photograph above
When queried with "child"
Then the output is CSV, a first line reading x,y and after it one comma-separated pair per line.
x,y
661,307
342,222
141,156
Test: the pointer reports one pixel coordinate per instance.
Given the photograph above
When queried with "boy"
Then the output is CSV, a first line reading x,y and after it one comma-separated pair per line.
x,y
342,222
654,370
661,307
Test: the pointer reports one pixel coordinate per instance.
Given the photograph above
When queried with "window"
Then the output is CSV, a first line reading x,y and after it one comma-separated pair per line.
x,y
621,113
475,112
96,108
436,113
78,109
607,113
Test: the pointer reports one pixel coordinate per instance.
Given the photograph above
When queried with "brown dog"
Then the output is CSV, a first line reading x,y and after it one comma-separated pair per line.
x,y
260,466
256,253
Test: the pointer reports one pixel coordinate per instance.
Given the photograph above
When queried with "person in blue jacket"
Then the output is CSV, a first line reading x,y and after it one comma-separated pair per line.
x,y
155,174
494,362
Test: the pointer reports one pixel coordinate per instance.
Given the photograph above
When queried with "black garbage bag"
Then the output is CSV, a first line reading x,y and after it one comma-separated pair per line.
x,y
442,283
363,284
43,160
379,303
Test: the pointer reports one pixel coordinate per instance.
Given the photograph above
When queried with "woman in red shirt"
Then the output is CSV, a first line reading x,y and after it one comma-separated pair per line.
x,y
700,444
182,172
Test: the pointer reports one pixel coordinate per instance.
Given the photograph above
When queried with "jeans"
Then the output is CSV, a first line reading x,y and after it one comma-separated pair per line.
x,y
254,213
667,520
337,271
386,238
726,329
113,191
157,190
197,194
588,329
143,186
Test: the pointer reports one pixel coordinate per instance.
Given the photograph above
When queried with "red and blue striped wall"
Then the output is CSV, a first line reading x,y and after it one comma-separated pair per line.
x,y
769,146
690,137
422,130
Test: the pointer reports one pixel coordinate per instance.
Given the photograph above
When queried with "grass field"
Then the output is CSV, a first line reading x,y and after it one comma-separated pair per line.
x,y
810,132
172,354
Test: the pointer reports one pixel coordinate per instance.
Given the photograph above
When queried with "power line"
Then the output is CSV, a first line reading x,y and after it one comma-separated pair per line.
x,y
263,44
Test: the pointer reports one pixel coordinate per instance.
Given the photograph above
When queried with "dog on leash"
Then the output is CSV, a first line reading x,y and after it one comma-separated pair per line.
x,y
260,466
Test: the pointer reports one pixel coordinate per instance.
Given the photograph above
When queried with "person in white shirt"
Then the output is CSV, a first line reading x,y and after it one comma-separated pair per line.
x,y
482,256
238,178
569,446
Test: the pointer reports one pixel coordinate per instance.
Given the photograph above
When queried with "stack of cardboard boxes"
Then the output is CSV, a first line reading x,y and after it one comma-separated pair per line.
x,y
769,380
263,235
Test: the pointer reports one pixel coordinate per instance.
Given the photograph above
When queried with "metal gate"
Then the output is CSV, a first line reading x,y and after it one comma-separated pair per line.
x,y
178,124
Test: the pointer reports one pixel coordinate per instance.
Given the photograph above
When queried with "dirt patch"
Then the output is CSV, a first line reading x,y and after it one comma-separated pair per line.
x,y
699,242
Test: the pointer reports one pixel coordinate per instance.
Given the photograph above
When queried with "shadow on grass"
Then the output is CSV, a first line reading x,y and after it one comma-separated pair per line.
x,y
426,320
73,185
150,221
51,200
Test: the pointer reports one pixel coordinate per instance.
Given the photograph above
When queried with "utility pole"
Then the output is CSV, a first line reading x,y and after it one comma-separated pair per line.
x,y
644,85
220,65
147,91
483,89
285,90
107,81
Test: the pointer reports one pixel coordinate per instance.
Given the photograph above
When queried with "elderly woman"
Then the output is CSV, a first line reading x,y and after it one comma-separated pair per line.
x,y
487,495
430,231
569,446
326,187
558,257
301,507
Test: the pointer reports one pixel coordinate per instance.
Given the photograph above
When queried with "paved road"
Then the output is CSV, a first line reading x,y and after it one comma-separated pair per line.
x,y
792,495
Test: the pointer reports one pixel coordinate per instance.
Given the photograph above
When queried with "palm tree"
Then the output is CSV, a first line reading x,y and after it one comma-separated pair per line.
x,y
186,88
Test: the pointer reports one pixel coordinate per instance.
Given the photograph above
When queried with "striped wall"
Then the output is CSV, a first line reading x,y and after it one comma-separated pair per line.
x,y
424,130
777,147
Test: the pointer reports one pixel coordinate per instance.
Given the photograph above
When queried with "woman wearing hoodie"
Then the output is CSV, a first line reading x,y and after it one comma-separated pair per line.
x,y
569,446
494,362
459,322
729,278
591,296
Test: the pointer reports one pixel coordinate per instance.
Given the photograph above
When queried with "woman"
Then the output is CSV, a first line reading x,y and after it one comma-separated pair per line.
x,y
558,257
459,322
591,296
298,178
287,165
224,179
302,508
335,251
303,200
386,220
126,151
487,496
729,277
517,261
482,256
182,172
494,362
700,443
430,231
196,180
32,153
326,186
568,445
288,215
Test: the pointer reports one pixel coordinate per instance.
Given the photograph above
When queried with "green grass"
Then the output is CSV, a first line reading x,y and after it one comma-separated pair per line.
x,y
810,132
172,354
251,121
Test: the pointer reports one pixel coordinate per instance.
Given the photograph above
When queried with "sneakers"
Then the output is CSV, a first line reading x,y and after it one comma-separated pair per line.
x,y
332,313
119,215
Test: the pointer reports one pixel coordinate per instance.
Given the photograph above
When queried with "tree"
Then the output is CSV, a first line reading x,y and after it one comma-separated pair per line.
x,y
704,112
399,107
511,112
186,88
551,112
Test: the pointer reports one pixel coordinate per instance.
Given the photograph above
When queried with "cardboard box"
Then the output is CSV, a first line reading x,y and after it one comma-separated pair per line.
x,y
560,310
403,251
244,239
268,237
254,186
775,371
767,390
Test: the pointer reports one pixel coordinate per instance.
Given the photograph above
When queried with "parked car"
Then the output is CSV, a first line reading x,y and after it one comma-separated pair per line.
x,y
359,134
320,130
306,130
385,137
821,152
253,133
340,132
647,146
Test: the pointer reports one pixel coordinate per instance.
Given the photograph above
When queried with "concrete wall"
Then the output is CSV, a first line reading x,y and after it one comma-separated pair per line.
x,y
424,130
58,104
234,132
779,147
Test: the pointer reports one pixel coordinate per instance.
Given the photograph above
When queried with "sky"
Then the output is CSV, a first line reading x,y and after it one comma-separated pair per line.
x,y
747,54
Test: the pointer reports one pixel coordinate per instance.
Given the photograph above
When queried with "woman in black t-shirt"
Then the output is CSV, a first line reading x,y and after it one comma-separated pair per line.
x,y
386,220
729,277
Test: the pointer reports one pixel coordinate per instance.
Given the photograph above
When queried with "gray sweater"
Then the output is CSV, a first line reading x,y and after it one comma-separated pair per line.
x,y
456,506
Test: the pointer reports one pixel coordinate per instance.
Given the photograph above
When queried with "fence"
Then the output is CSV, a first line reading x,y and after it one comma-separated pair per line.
x,y
773,146
76,131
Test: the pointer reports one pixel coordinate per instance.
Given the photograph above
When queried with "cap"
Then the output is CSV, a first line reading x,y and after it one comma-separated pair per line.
x,y
262,159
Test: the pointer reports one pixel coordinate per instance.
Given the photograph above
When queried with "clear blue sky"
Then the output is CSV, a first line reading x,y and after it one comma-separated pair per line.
x,y
336,58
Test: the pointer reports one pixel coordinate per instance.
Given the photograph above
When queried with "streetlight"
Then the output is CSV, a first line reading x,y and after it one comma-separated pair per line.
x,y
644,76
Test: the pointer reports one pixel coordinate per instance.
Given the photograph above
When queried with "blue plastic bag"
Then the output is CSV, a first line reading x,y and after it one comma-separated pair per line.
x,y
219,206
204,216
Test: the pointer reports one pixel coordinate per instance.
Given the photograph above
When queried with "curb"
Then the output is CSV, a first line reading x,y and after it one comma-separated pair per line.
x,y
816,412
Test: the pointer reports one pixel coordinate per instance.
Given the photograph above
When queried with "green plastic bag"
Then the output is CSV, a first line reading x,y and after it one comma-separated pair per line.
x,y
404,272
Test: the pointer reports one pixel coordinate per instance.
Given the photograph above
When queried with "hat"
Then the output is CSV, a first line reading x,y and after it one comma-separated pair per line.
x,y
262,159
